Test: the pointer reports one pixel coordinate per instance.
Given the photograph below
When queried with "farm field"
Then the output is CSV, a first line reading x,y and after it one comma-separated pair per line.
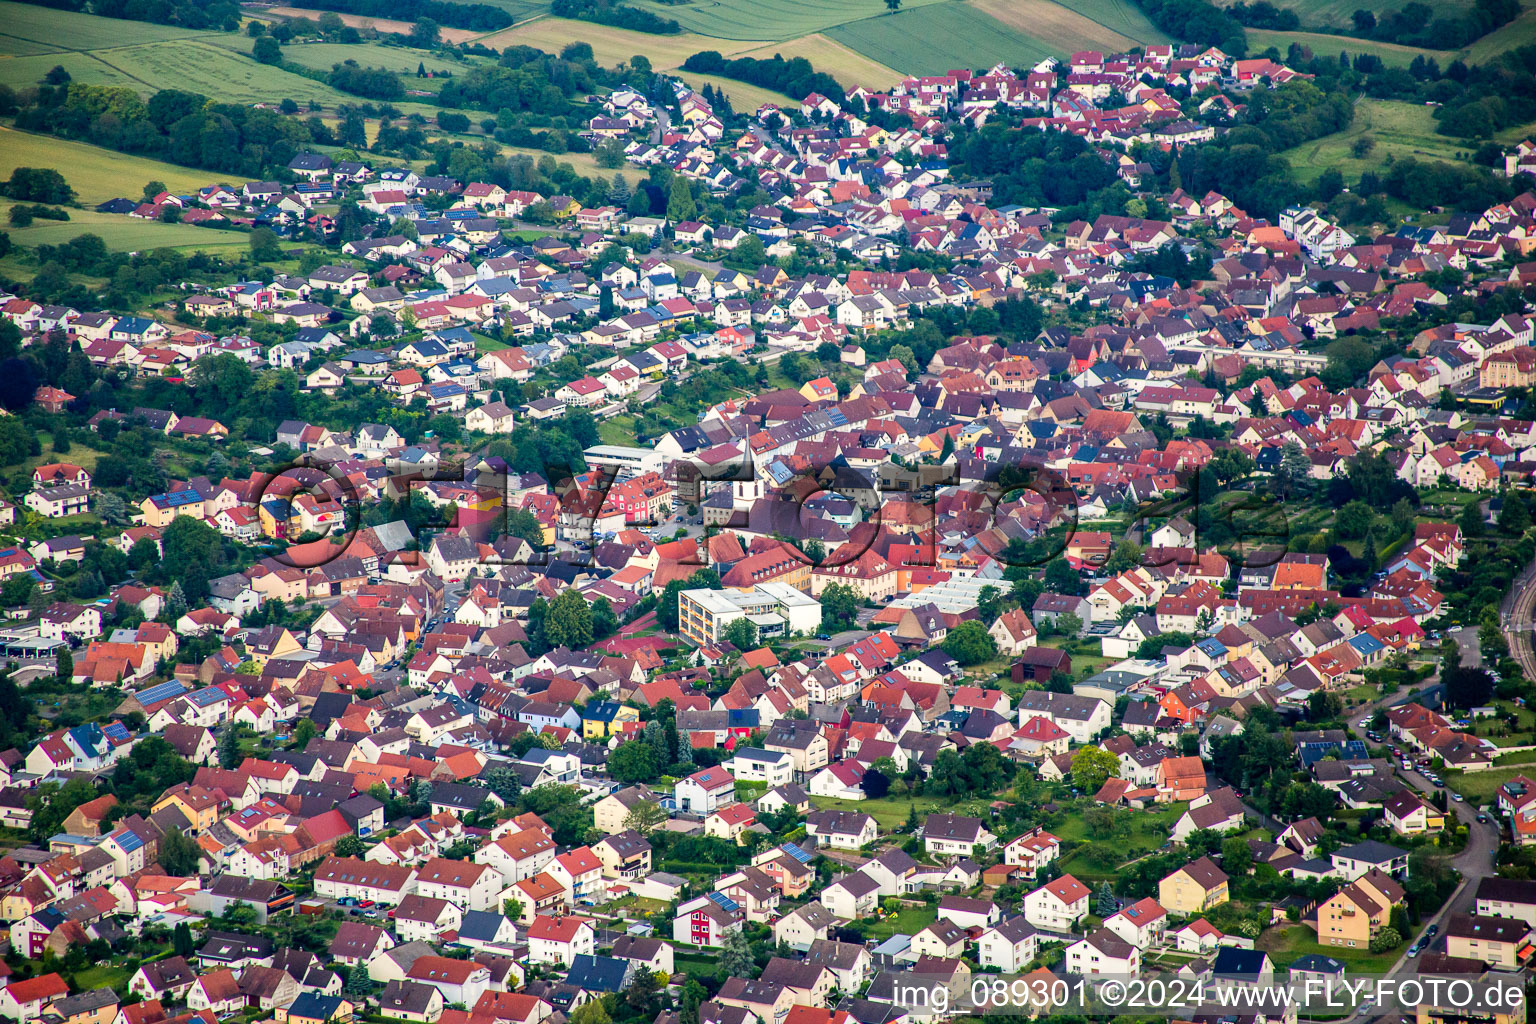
x,y
845,65
1520,32
452,35
1056,26
324,56
744,96
1398,129
1120,16
780,19
42,26
954,35
94,173
127,234
1338,12
612,45
1324,45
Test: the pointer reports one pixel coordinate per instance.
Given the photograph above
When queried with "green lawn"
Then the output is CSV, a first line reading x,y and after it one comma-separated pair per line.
x,y
618,430
1479,787
1289,942
906,921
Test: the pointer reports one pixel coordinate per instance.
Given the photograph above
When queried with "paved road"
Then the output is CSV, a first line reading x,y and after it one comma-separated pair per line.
x,y
1474,863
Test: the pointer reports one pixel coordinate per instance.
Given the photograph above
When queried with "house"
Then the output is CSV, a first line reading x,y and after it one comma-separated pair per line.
x,y
1409,815
1499,942
705,920
1507,897
705,792
1103,952
1354,914
1057,905
560,940
1009,945
1141,924
1197,886
843,830
956,836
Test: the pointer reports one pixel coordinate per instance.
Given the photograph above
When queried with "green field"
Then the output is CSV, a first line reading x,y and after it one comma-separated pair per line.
x,y
94,173
1397,129
1520,32
954,36
744,97
780,19
849,68
1337,13
324,56
127,234
55,30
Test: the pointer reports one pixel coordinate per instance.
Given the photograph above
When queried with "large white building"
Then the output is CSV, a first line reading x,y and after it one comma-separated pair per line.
x,y
775,608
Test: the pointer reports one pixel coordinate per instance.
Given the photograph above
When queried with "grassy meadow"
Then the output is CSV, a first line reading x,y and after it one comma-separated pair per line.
x,y
1395,129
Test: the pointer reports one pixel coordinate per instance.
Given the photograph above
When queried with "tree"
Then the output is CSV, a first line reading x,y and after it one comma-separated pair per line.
x,y
179,854
1323,706
349,845
875,784
1295,468
1068,624
264,247
736,959
182,943
680,204
633,762
1061,578
1105,903
1466,687
1236,857
229,749
593,1012
568,623
1092,767
893,5
741,634
424,33
503,781
305,731
969,643
265,50
64,665
645,817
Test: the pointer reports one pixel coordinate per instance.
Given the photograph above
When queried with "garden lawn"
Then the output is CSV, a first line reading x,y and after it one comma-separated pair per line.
x,y
906,921
1479,787
1288,942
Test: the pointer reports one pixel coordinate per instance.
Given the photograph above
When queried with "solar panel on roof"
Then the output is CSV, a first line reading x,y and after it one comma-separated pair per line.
x,y
795,852
161,691
726,903
129,841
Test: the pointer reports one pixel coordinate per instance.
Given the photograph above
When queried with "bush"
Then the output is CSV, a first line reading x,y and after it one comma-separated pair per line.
x,y
1387,938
